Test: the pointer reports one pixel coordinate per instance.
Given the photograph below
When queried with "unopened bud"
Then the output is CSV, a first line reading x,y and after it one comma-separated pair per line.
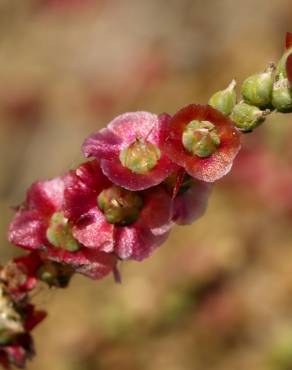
x,y
224,100
55,274
247,117
120,206
282,96
257,89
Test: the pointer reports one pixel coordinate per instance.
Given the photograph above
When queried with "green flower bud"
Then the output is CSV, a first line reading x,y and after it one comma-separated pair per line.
x,y
281,67
201,138
247,117
257,89
224,100
10,321
282,96
55,274
59,233
140,157
120,206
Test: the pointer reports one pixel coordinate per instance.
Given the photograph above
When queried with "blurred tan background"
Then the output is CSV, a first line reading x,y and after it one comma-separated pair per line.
x,y
218,295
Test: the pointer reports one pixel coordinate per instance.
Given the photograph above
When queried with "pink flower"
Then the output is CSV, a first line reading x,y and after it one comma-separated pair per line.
x,y
130,150
135,222
203,141
40,225
191,201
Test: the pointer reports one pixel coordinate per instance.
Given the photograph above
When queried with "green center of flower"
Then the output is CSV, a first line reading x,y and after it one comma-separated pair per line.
x,y
140,157
59,233
120,206
201,138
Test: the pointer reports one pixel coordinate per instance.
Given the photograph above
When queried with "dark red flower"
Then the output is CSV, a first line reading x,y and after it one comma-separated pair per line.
x,y
20,274
130,150
203,141
40,224
135,222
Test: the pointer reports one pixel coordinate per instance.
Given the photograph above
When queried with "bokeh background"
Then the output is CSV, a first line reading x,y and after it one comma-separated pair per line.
x,y
218,294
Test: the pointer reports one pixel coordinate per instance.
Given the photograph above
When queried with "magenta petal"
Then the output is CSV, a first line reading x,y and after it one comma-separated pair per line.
x,y
93,231
88,262
132,125
122,176
17,355
27,230
192,204
136,243
46,196
156,213
91,174
102,144
78,197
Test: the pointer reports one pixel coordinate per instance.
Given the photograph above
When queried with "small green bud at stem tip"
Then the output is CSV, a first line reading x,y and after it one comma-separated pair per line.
x,y
224,100
120,206
247,117
282,96
257,89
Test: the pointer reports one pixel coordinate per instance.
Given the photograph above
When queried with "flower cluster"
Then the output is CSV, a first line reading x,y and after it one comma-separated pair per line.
x,y
17,315
148,172
145,173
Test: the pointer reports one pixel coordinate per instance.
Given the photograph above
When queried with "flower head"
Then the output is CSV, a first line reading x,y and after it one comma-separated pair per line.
x,y
41,225
130,150
203,141
135,222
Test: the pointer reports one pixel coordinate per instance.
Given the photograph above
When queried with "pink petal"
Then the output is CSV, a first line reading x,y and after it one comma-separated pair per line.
x,y
33,317
46,196
130,126
78,197
156,212
102,144
27,230
136,243
93,231
122,176
91,263
91,174
192,204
